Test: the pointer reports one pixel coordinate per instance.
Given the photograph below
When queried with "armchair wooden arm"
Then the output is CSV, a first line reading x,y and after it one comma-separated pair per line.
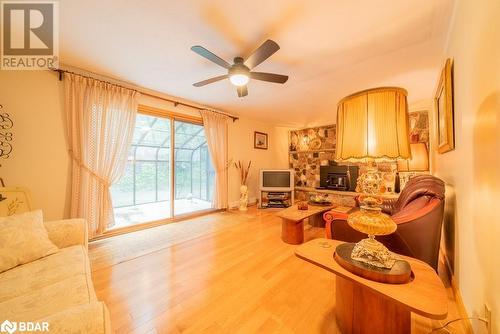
x,y
329,217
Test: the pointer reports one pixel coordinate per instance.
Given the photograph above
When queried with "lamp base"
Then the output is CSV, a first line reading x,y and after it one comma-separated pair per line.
x,y
374,253
400,273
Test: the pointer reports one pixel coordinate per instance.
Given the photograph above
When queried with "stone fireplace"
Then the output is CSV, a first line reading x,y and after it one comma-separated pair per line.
x,y
314,147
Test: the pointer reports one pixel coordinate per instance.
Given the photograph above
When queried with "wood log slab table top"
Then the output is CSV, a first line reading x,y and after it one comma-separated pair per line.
x,y
366,306
292,226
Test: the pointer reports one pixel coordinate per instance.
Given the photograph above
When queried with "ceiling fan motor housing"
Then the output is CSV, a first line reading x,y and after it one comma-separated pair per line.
x,y
238,67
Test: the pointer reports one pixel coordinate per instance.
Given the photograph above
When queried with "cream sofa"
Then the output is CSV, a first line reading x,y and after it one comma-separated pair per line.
x,y
58,288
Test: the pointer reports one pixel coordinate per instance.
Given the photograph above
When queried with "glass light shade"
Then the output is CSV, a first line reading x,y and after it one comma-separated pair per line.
x,y
419,161
239,79
371,222
373,124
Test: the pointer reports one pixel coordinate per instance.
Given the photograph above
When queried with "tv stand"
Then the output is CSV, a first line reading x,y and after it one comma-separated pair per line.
x,y
275,199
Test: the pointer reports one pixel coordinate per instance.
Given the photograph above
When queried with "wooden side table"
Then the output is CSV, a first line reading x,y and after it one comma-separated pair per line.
x,y
365,306
292,226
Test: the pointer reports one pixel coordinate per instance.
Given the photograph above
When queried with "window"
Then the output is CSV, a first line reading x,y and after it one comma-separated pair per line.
x,y
143,193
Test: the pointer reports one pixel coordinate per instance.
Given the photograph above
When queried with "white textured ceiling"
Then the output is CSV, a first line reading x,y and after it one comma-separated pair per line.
x,y
328,48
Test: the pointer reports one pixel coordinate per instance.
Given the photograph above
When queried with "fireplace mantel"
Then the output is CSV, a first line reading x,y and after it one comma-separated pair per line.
x,y
339,192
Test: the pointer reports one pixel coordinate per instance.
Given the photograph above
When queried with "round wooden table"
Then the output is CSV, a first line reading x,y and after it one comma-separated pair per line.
x,y
365,306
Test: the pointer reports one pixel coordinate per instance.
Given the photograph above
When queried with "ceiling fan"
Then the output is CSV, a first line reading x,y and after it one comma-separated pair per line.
x,y
239,73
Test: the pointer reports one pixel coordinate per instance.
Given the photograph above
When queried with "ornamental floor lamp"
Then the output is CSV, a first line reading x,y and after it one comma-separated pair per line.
x,y
372,126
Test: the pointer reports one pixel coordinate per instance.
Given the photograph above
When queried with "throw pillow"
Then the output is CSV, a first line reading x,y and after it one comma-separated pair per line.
x,y
23,239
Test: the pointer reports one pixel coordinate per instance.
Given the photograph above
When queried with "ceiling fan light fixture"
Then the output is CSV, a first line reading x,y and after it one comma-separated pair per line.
x,y
239,79
239,73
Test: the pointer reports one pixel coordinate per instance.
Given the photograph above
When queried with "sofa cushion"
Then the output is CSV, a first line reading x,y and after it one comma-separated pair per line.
x,y
68,262
23,239
50,299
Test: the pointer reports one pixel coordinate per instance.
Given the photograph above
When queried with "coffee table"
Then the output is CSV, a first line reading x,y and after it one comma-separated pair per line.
x,y
292,225
365,306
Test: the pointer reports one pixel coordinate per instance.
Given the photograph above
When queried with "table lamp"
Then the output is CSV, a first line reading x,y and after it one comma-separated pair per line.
x,y
372,126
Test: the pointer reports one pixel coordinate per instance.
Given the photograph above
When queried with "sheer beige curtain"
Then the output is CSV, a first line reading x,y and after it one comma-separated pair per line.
x,y
215,126
100,125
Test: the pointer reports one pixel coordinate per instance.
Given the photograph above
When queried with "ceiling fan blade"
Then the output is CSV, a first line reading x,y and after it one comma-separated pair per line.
x,y
210,56
271,77
242,91
209,81
266,50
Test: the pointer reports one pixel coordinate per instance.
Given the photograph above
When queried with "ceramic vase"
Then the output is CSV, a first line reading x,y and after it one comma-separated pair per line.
x,y
243,197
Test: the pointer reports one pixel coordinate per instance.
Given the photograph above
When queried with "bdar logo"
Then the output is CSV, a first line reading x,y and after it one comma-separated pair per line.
x,y
8,327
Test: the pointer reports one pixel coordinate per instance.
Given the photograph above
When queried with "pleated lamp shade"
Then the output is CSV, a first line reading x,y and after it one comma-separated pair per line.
x,y
373,124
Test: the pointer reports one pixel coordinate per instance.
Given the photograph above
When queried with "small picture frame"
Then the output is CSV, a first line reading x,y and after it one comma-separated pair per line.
x,y
443,103
14,200
260,140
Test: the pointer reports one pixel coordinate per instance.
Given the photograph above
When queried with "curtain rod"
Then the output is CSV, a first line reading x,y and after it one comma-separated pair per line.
x,y
174,102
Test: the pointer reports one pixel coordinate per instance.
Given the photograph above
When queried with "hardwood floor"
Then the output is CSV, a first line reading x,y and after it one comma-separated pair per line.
x,y
227,272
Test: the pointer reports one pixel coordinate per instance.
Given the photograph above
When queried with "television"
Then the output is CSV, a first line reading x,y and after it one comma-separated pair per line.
x,y
276,180
276,188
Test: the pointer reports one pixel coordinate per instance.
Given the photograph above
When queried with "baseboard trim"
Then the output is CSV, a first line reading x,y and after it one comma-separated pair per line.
x,y
143,226
236,204
456,292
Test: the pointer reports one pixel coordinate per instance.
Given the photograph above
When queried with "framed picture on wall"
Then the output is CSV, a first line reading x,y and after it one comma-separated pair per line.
x,y
443,103
14,200
260,140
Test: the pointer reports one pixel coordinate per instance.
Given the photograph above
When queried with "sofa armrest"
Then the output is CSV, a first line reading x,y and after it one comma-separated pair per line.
x,y
408,216
87,318
68,232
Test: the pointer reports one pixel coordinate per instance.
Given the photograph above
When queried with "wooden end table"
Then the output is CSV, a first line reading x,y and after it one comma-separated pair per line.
x,y
365,306
292,226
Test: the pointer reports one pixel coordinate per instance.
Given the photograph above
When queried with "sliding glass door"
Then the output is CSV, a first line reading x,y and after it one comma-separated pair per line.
x,y
144,193
194,174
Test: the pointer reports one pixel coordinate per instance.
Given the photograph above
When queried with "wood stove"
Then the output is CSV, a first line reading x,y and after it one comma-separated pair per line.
x,y
337,177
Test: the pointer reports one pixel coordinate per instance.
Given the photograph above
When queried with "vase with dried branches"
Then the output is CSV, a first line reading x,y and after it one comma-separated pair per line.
x,y
244,172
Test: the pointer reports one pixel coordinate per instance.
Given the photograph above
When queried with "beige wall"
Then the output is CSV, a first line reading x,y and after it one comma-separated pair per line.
x,y
241,148
40,160
472,224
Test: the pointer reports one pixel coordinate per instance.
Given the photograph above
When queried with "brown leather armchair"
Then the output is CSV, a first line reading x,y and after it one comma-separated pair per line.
x,y
418,212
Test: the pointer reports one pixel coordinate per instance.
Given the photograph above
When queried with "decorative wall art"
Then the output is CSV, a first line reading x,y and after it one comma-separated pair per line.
x,y
443,104
14,200
260,140
5,134
419,126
